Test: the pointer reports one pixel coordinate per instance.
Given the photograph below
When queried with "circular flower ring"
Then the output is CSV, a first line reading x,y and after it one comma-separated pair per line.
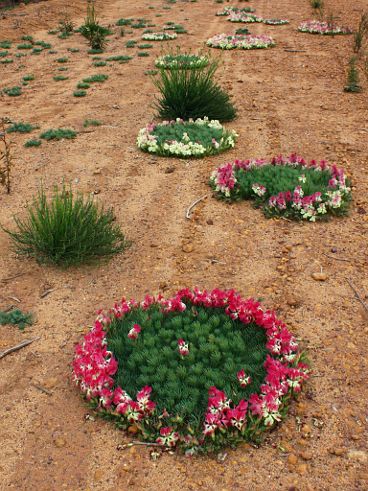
x,y
185,60
159,36
286,187
325,28
243,17
240,41
186,138
229,10
166,369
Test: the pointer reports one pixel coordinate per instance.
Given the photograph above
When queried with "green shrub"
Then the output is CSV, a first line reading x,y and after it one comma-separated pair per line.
x,y
130,44
64,59
13,91
28,78
67,230
79,93
3,54
21,128
6,61
17,318
124,22
5,44
98,78
59,134
142,54
83,85
32,143
121,58
353,77
91,29
99,63
25,46
91,122
59,78
192,94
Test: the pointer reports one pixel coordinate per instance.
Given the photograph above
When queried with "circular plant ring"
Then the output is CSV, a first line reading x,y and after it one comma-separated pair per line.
x,y
324,28
200,370
159,36
186,138
240,41
181,61
285,186
243,17
228,10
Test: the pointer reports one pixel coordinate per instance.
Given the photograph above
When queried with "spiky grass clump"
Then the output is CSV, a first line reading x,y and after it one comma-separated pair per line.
x,y
59,134
192,94
67,230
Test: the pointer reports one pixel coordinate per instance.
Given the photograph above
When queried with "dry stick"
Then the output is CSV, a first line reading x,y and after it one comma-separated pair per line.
x,y
13,277
42,389
336,258
146,444
187,215
46,292
21,345
357,294
295,50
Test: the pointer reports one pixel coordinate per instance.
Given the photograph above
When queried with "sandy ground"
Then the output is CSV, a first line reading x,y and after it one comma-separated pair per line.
x,y
287,101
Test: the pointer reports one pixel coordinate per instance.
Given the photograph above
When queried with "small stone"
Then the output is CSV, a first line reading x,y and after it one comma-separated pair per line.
x,y
209,221
132,429
292,459
319,276
188,247
59,442
358,455
99,473
302,468
306,455
169,170
337,451
50,382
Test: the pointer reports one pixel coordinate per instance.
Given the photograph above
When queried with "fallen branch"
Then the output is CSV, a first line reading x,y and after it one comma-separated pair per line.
x,y
46,292
336,258
13,277
295,50
17,347
15,299
42,389
357,294
131,444
187,215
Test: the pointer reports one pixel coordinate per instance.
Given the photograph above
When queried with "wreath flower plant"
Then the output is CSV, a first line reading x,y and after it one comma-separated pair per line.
x,y
193,138
243,17
275,22
324,28
181,60
240,41
199,371
230,10
285,186
159,36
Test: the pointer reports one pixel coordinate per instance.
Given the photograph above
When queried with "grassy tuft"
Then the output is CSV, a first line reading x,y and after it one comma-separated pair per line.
x,y
67,230
91,122
33,143
59,78
13,91
59,134
192,94
21,128
17,318
98,78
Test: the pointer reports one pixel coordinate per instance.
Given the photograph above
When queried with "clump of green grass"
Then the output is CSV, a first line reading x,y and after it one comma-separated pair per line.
x,y
6,61
32,143
121,58
64,59
95,51
25,46
79,93
62,69
130,44
92,30
192,94
27,38
67,230
73,50
99,63
28,78
83,85
151,72
142,54
145,46
36,51
3,54
124,22
21,128
98,78
17,318
52,32
5,44
13,91
59,134
91,122
59,78
43,44
353,77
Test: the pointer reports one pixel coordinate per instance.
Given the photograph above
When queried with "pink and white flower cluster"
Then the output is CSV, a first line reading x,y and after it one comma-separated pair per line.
x,y
240,41
320,27
225,181
243,17
229,10
94,368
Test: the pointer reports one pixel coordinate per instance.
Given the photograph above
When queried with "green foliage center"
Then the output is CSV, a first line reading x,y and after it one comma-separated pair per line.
x,y
218,348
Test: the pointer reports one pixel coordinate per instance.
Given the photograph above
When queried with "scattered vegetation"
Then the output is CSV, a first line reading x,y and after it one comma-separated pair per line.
x,y
32,143
59,78
353,77
120,58
21,128
92,30
59,134
67,230
91,122
17,318
192,94
98,78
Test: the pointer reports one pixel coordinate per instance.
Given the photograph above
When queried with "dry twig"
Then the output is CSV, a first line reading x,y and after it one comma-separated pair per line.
x,y
357,294
187,215
336,258
17,347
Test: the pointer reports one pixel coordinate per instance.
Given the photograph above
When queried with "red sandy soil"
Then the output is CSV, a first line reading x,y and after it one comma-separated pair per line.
x,y
287,101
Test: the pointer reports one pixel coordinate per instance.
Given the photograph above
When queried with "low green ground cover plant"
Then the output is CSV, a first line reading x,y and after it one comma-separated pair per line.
x,y
33,143
15,91
21,128
91,122
98,78
58,134
17,318
67,230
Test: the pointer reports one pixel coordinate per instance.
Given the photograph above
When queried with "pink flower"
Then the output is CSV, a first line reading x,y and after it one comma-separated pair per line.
x,y
135,330
168,437
244,380
183,347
